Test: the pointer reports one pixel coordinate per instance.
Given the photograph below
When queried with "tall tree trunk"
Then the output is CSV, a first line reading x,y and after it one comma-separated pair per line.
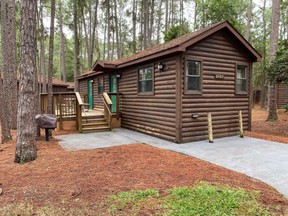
x,y
117,30
51,53
62,65
4,86
134,20
263,70
272,103
195,15
159,13
145,23
181,11
42,50
11,55
87,36
166,15
108,30
249,16
151,23
76,45
25,145
93,37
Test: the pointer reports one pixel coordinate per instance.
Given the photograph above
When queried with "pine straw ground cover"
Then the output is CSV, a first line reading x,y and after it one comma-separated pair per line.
x,y
60,182
79,182
274,131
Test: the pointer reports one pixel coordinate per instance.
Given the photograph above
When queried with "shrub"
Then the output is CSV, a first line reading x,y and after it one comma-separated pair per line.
x,y
286,107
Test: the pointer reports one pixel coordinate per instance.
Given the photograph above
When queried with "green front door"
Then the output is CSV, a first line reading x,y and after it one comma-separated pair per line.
x,y
113,89
90,94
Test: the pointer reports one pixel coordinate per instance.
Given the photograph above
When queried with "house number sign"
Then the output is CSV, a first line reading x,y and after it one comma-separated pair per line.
x,y
219,76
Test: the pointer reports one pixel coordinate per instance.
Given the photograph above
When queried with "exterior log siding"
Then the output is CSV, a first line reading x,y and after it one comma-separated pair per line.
x,y
218,96
167,112
152,114
282,95
97,98
83,86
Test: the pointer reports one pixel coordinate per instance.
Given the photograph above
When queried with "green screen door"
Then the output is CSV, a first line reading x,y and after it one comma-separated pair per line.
x,y
113,89
90,94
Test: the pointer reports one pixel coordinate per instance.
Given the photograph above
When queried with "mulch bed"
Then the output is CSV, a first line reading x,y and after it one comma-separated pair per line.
x,y
71,178
274,131
60,177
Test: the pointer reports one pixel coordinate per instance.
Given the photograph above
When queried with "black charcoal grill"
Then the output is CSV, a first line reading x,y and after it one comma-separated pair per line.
x,y
47,122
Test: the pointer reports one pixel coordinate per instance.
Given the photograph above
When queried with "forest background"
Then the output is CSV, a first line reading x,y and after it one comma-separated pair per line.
x,y
110,29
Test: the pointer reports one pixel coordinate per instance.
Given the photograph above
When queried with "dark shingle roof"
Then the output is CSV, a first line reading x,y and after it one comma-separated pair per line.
x,y
177,44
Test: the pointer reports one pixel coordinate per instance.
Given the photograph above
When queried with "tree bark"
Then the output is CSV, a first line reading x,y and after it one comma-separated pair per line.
x,y
51,54
249,16
76,45
272,108
166,15
263,70
117,30
11,55
62,62
159,13
134,21
25,145
4,86
42,50
151,24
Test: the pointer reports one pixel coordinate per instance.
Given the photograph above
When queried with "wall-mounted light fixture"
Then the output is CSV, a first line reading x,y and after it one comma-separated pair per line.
x,y
195,115
160,66
118,76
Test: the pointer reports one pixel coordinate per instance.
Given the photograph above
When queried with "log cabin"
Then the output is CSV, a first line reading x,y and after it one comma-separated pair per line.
x,y
282,95
167,90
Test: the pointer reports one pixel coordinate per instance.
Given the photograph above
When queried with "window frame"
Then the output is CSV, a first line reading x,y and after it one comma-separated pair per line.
x,y
243,93
138,80
194,92
98,86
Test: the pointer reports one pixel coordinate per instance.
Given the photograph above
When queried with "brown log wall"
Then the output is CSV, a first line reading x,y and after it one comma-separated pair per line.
x,y
151,114
218,96
282,95
97,98
83,86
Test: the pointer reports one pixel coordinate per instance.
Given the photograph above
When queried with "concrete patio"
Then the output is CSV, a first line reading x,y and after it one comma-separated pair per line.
x,y
260,159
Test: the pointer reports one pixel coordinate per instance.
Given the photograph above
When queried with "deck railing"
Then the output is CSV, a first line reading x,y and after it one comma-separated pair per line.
x,y
118,101
70,104
107,108
64,105
79,104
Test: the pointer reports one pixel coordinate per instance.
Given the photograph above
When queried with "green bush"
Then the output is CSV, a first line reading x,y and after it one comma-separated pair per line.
x,y
286,107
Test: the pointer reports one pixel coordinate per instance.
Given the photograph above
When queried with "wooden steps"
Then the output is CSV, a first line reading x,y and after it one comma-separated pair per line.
x,y
95,123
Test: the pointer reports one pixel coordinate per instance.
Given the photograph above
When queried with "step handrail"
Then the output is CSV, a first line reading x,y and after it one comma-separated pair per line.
x,y
107,108
79,104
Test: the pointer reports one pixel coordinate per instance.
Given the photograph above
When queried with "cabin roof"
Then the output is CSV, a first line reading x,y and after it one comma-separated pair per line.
x,y
55,81
176,45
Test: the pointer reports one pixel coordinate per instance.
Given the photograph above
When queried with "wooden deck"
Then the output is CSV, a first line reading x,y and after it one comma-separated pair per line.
x,y
93,112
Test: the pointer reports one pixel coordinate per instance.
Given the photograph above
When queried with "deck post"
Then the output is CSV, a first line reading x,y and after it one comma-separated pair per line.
x,y
117,106
210,127
61,112
241,124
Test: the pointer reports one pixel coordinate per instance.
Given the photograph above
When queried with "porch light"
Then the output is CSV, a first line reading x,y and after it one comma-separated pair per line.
x,y
118,76
160,66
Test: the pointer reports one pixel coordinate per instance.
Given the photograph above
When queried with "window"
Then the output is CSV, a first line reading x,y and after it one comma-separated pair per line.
x,y
193,76
145,80
100,85
241,79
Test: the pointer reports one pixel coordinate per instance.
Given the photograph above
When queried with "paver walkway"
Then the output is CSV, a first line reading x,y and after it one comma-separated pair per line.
x,y
260,159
